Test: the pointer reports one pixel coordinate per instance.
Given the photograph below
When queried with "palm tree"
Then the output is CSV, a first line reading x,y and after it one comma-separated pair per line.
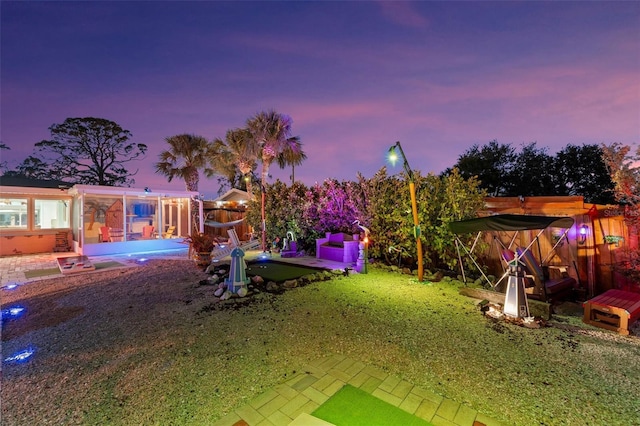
x,y
271,131
292,155
187,155
239,151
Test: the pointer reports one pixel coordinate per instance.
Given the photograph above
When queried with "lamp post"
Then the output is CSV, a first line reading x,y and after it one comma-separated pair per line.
x,y
393,156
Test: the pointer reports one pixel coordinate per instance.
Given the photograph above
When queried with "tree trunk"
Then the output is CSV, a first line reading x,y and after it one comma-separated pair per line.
x,y
249,187
266,161
192,185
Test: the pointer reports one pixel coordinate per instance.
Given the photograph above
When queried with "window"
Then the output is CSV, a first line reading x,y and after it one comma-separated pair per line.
x,y
141,217
175,216
13,213
52,214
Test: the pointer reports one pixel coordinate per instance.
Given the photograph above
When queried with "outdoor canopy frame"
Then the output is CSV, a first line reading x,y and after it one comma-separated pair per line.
x,y
506,223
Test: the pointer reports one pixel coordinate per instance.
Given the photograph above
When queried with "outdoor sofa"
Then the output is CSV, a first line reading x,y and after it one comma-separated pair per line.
x,y
339,247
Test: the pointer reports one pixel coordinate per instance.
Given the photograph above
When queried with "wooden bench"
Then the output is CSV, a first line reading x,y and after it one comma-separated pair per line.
x,y
614,310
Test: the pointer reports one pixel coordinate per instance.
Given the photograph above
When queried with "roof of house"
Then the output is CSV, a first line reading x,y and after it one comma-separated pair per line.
x,y
33,183
234,194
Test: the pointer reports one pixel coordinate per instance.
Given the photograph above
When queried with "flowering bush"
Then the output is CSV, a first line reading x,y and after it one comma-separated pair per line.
x,y
382,204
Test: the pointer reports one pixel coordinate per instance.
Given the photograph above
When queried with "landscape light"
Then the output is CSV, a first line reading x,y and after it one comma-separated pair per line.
x,y
12,313
21,356
394,151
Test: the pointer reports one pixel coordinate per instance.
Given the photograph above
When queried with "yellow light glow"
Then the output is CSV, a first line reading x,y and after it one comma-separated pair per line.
x,y
393,157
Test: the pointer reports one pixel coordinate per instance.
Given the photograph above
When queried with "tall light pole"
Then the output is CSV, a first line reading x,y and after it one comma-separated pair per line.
x,y
393,156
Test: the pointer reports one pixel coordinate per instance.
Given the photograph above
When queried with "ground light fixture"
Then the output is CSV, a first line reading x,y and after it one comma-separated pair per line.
x,y
394,151
12,312
21,356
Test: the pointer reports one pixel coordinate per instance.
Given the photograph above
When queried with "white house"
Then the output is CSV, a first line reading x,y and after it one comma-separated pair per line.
x,y
36,216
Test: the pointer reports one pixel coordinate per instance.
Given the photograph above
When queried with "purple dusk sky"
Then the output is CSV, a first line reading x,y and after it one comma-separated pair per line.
x,y
354,76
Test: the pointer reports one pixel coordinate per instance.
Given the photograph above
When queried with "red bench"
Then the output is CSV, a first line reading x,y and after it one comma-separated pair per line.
x,y
614,310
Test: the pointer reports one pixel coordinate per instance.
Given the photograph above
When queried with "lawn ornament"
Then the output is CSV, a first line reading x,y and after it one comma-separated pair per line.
x,y
515,301
238,274
361,262
393,249
290,246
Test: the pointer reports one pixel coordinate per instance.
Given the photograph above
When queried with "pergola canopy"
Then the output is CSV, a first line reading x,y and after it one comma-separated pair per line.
x,y
509,222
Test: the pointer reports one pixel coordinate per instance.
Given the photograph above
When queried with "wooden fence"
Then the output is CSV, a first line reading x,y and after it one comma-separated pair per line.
x,y
226,214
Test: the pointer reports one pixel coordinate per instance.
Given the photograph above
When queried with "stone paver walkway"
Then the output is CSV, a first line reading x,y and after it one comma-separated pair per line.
x,y
292,402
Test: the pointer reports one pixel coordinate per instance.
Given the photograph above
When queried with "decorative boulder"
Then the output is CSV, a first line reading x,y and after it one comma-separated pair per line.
x,y
272,286
305,279
290,284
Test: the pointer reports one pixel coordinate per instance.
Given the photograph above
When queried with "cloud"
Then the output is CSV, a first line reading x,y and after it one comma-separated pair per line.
x,y
403,13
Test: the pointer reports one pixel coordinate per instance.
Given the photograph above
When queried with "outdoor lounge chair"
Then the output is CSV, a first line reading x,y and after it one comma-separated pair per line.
x,y
147,232
169,233
543,287
104,234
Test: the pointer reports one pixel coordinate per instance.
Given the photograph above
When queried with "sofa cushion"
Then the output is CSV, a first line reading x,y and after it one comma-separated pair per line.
x,y
335,244
557,286
336,238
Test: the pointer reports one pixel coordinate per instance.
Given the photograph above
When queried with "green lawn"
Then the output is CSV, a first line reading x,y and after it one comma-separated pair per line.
x,y
193,363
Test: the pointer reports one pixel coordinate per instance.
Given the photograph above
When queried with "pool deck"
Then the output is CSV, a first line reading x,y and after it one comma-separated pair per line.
x,y
292,402
13,268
